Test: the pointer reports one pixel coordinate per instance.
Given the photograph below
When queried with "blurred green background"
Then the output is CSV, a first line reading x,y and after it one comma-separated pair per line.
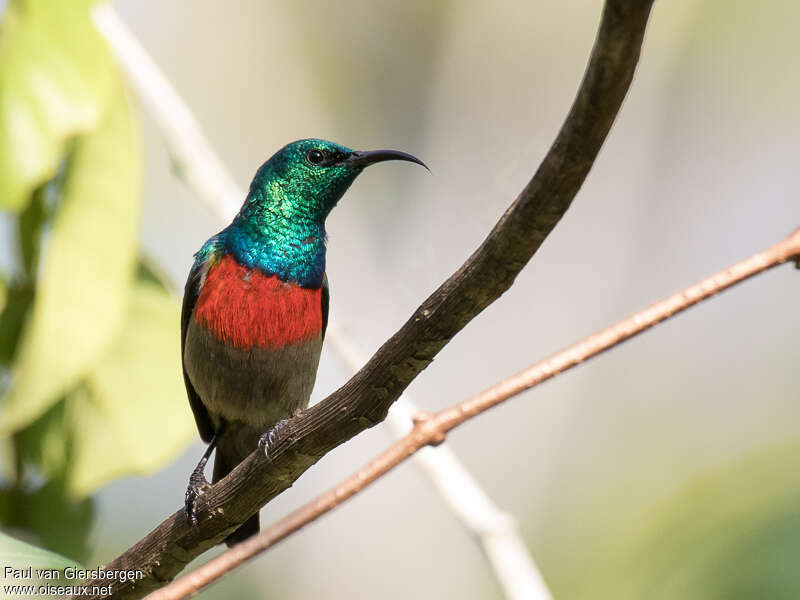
x,y
666,469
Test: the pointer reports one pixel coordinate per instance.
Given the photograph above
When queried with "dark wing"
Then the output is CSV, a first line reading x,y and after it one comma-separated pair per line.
x,y
326,300
190,295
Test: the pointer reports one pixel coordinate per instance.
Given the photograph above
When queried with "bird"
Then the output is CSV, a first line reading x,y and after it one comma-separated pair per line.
x,y
255,307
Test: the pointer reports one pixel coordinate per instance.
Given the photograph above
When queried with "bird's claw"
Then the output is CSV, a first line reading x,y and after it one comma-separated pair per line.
x,y
266,441
198,484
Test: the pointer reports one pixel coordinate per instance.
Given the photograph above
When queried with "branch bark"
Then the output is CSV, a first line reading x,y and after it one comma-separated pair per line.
x,y
432,429
365,399
198,166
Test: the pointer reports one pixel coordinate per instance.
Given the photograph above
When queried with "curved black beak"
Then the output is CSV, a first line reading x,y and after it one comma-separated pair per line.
x,y
363,159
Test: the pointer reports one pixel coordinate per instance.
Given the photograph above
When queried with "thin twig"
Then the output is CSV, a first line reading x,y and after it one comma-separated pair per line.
x,y
432,429
496,531
365,399
198,165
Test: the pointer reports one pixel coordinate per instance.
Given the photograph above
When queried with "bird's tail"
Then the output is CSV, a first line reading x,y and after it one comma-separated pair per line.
x,y
250,527
246,529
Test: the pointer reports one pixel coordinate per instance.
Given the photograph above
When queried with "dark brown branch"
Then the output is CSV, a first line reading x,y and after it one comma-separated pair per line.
x,y
364,400
432,429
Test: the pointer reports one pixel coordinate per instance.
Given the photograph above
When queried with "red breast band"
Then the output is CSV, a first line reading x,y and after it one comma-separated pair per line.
x,y
246,308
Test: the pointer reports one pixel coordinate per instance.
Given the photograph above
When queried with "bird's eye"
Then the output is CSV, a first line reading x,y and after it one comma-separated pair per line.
x,y
315,157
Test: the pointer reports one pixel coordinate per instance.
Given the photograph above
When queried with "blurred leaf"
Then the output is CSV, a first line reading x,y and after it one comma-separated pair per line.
x,y
3,291
19,554
29,226
18,299
734,533
134,420
56,77
149,271
127,416
47,442
713,537
57,520
87,270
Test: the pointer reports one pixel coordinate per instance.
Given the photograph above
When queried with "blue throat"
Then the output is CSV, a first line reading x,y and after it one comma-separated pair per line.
x,y
298,259
280,229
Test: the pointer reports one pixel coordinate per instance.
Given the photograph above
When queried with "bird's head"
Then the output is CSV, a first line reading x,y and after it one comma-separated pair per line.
x,y
306,178
281,227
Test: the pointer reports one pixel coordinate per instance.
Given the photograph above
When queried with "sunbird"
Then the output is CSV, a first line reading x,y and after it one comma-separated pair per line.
x,y
255,306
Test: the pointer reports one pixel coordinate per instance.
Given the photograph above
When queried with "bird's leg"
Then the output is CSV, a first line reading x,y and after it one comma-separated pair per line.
x,y
198,483
267,440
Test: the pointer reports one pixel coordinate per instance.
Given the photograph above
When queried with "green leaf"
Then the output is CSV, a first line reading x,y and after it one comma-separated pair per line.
x,y
87,270
17,298
733,532
3,291
17,301
149,271
29,226
725,536
19,554
128,415
47,442
56,78
134,418
51,516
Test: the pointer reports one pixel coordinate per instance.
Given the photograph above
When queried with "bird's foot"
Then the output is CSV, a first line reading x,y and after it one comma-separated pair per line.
x,y
198,485
267,441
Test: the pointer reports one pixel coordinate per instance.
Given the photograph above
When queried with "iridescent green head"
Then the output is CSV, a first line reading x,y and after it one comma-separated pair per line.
x,y
305,179
281,226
